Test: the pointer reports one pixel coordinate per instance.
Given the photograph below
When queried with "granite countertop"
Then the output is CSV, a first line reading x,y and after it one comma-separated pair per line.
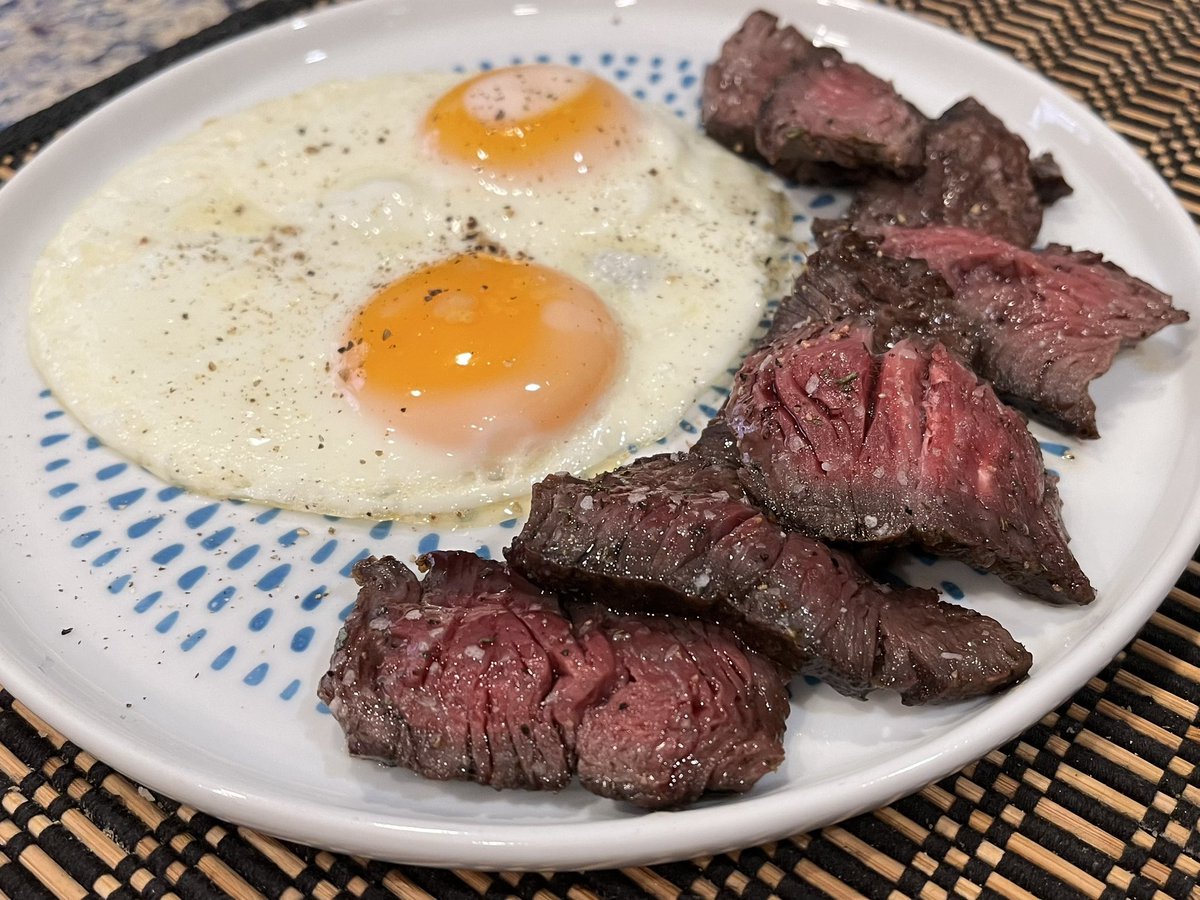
x,y
51,48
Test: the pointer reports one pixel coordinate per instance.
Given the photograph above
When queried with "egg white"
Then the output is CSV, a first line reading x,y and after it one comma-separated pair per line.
x,y
190,313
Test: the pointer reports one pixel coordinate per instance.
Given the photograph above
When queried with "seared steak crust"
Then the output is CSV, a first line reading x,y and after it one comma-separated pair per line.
x,y
1048,322
905,446
739,82
691,710
976,174
1048,179
806,111
676,533
1039,325
848,277
817,118
474,674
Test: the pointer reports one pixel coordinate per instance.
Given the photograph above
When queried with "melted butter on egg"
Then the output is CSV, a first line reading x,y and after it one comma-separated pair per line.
x,y
482,353
545,121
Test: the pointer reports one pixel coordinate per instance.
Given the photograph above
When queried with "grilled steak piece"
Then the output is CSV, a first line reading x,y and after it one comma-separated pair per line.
x,y
905,446
848,276
469,674
1047,321
691,711
774,95
977,174
836,113
1039,325
473,673
738,83
677,533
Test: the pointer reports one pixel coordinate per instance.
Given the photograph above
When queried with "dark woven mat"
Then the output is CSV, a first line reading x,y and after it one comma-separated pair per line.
x,y
1101,798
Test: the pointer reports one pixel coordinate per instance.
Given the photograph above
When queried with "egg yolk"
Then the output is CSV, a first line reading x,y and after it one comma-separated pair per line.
x,y
542,121
482,353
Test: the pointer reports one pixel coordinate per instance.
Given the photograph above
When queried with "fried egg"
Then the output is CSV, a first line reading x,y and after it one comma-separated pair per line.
x,y
409,295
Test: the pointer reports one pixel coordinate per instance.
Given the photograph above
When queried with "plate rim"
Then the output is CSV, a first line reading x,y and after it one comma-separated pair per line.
x,y
655,837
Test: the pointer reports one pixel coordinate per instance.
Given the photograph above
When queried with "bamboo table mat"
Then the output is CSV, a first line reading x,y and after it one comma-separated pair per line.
x,y
1101,798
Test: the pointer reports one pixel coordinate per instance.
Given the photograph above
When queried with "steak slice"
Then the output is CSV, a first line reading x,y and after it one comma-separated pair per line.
x,y
848,277
772,94
738,83
977,174
470,674
1046,323
905,446
692,711
830,112
677,533
473,673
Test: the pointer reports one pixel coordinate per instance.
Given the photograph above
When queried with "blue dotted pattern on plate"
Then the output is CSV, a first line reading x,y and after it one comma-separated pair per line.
x,y
116,514
245,592
242,565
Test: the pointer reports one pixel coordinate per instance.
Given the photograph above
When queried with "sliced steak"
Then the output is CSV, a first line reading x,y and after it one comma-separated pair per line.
x,y
1048,322
772,94
848,276
470,674
738,83
1039,325
905,446
473,673
977,174
692,711
677,533
835,113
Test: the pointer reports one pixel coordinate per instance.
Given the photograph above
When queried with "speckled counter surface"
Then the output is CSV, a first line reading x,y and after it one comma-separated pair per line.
x,y
51,48
1101,798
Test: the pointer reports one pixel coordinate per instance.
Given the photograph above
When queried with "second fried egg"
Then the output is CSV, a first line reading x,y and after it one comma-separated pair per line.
x,y
409,295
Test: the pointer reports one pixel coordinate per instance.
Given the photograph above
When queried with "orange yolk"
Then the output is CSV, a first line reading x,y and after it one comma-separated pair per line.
x,y
544,120
483,354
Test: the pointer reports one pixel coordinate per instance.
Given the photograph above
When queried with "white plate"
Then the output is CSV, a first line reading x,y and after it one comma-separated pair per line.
x,y
181,640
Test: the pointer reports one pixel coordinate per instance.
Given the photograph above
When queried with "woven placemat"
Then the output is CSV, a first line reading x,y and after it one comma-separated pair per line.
x,y
1101,798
